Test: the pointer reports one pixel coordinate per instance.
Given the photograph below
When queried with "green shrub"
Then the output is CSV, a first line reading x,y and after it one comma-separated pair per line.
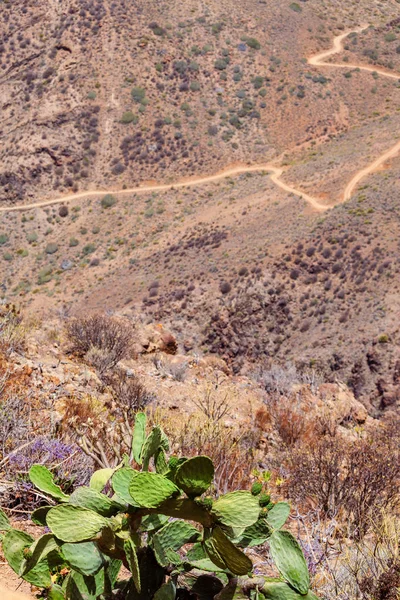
x,y
73,242
88,249
390,37
91,534
51,248
296,7
217,28
108,201
8,256
22,252
253,43
258,82
383,339
194,86
129,117
138,94
3,239
220,64
31,237
45,275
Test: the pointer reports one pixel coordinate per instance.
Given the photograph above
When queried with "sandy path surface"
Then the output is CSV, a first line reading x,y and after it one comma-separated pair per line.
x,y
317,60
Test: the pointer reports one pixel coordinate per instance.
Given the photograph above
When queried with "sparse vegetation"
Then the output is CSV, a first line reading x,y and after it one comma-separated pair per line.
x,y
107,336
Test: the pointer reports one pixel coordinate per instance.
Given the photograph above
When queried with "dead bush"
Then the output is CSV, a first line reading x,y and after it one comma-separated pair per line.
x,y
129,393
103,340
353,480
215,400
367,569
280,380
292,422
12,333
177,370
104,432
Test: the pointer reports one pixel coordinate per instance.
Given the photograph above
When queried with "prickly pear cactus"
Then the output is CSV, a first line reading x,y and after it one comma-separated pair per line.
x,y
237,509
44,481
161,526
149,490
195,475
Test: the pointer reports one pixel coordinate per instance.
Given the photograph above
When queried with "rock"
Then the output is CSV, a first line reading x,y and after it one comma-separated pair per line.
x,y
154,338
214,362
66,264
390,396
168,344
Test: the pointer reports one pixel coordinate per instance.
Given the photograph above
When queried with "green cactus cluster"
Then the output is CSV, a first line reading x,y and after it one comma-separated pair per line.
x,y
158,522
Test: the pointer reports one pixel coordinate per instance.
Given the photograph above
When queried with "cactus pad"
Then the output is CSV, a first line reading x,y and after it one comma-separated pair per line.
x,y
99,479
4,522
289,560
14,544
38,552
255,535
44,481
149,490
39,515
172,537
88,498
236,509
75,524
152,522
138,437
278,514
55,593
195,475
84,587
161,462
282,591
84,557
131,557
222,552
150,446
166,592
121,481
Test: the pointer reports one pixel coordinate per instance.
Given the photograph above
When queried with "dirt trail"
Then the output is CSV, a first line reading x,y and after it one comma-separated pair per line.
x,y
317,60
229,172
349,189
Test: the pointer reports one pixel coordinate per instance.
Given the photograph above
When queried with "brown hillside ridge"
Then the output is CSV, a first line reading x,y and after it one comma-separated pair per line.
x,y
246,170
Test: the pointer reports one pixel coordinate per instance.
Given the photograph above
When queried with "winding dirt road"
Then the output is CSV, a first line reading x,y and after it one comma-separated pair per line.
x,y
317,60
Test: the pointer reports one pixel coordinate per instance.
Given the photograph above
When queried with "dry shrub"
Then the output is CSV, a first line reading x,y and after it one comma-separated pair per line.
x,y
101,339
12,333
215,400
367,569
130,394
292,422
104,432
353,480
15,423
177,370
